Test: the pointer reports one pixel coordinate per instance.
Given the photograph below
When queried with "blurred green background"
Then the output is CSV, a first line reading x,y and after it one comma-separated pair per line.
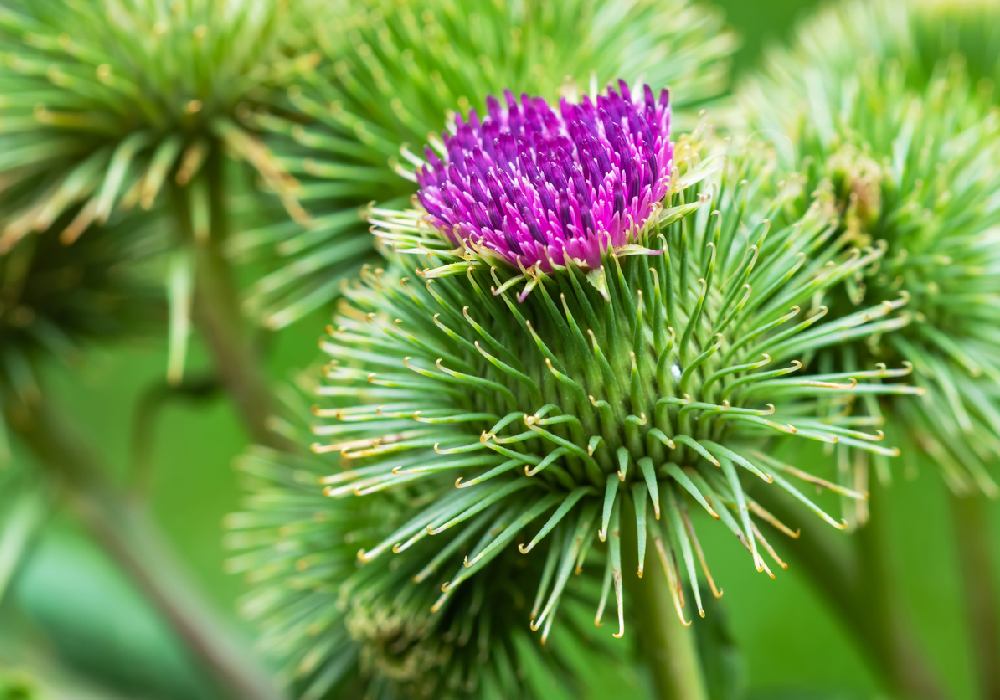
x,y
70,610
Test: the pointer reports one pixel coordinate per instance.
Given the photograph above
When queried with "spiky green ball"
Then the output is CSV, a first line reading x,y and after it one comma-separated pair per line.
x,y
107,103
372,631
912,171
391,73
625,400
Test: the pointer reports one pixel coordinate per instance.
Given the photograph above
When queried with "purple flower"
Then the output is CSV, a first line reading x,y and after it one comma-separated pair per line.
x,y
541,187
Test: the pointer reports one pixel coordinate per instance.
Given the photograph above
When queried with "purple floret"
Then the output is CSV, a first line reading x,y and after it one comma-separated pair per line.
x,y
541,187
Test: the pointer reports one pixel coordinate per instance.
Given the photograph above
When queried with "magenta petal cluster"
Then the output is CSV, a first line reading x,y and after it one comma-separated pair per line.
x,y
544,188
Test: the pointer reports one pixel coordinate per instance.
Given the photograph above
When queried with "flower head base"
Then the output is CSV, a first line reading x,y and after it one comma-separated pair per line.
x,y
538,187
56,298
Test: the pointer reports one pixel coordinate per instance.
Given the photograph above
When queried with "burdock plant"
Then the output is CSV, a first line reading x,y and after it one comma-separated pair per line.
x,y
391,72
374,631
56,299
127,104
109,109
907,148
586,336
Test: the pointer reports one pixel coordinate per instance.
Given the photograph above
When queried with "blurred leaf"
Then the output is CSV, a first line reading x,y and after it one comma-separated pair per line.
x,y
98,625
15,685
22,512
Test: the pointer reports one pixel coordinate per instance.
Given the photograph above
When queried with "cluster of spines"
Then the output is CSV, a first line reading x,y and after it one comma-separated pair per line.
x,y
907,165
108,104
602,401
54,299
367,630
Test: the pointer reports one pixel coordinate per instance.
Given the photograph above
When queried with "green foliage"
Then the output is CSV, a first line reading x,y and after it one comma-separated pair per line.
x,y
107,103
394,71
912,170
597,403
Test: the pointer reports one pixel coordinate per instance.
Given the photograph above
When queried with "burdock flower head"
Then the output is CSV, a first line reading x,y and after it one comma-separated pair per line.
x,y
349,116
583,425
918,35
541,188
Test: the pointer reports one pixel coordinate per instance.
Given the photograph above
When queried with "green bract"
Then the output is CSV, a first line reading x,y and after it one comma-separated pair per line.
x,y
398,68
604,407
372,631
913,173
107,103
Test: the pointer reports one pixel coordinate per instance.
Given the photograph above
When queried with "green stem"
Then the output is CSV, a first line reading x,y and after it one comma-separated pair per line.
x,y
130,538
667,646
972,527
218,311
858,587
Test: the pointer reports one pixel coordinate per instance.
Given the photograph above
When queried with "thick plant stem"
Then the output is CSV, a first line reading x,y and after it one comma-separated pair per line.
x,y
666,645
884,617
856,584
974,545
129,537
202,222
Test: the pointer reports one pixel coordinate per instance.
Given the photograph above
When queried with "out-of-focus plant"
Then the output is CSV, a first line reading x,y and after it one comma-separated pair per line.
x,y
916,35
390,77
56,299
22,512
914,174
374,631
118,118
114,105
907,147
17,685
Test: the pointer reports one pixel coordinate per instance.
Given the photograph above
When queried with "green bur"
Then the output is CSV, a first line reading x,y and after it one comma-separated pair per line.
x,y
536,410
110,105
908,167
